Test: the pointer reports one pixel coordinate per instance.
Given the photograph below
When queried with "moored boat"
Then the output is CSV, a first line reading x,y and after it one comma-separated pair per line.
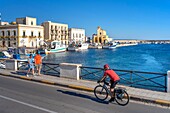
x,y
56,47
83,46
72,48
112,47
4,54
79,47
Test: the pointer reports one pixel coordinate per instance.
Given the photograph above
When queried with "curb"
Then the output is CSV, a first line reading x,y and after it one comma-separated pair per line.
x,y
83,88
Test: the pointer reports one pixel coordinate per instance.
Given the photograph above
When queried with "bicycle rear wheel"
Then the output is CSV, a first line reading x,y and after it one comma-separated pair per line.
x,y
122,97
100,92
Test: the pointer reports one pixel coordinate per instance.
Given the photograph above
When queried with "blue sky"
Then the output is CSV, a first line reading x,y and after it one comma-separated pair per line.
x,y
122,19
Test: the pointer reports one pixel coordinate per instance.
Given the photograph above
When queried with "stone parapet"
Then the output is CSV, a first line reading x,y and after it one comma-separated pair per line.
x,y
70,70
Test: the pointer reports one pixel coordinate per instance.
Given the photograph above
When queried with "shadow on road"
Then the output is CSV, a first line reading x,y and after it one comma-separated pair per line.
x,y
22,73
83,96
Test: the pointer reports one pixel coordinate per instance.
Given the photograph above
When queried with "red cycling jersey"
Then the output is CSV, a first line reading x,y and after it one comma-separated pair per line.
x,y
113,76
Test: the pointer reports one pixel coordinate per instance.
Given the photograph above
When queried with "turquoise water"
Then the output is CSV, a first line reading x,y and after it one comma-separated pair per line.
x,y
142,57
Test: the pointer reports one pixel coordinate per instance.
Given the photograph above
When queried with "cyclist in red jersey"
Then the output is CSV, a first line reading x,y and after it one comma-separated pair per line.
x,y
114,79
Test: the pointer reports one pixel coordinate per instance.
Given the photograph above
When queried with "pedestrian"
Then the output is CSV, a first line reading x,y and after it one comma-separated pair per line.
x,y
30,65
38,62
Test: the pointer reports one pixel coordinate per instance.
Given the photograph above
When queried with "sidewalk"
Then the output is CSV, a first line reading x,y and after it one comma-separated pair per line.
x,y
148,96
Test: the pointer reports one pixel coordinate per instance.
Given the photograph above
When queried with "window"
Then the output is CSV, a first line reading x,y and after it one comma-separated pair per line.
x,y
61,27
39,34
79,35
8,33
52,27
39,43
32,23
23,33
32,34
3,33
14,33
32,44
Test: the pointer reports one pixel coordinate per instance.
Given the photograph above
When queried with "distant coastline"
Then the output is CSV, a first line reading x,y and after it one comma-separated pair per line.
x,y
131,41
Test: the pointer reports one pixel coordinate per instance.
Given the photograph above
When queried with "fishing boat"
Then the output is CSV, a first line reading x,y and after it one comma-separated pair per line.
x,y
111,45
78,47
72,48
83,46
55,47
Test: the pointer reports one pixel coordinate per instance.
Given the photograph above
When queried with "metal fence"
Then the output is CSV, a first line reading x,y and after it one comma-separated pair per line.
x,y
47,68
51,69
139,79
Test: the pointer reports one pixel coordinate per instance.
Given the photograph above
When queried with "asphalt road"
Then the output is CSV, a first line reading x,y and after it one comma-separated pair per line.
x,y
20,96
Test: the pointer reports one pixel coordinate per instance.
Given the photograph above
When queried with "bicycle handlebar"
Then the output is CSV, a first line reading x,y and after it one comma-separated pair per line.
x,y
107,83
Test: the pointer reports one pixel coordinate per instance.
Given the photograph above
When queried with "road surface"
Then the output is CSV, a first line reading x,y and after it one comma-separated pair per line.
x,y
20,96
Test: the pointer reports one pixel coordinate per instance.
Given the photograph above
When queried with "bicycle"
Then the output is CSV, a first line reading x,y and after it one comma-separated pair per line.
x,y
102,91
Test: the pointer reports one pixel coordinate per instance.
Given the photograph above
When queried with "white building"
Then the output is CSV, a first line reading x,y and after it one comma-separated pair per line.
x,y
22,33
76,35
56,31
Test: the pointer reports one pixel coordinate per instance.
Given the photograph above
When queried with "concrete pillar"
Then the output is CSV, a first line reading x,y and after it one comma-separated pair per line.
x,y
11,64
70,70
168,81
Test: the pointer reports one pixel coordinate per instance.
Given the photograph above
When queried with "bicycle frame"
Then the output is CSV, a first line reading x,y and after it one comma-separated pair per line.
x,y
102,91
106,87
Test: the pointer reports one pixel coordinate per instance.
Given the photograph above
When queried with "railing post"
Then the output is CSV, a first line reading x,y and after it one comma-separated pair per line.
x,y
11,64
131,81
70,70
168,81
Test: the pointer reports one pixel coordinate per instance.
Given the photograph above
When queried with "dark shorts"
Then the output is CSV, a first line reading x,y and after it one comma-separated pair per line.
x,y
113,83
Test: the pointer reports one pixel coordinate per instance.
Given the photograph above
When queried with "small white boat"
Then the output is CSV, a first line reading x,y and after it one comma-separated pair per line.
x,y
4,54
79,47
106,46
72,48
112,47
56,47
83,46
2,65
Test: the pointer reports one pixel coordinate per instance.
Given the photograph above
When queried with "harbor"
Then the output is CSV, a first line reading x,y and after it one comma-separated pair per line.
x,y
84,56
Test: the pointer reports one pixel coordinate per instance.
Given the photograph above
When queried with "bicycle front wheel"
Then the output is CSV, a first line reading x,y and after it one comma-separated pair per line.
x,y
100,92
122,97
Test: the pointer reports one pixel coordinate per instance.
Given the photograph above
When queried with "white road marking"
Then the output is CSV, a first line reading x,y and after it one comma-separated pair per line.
x,y
30,105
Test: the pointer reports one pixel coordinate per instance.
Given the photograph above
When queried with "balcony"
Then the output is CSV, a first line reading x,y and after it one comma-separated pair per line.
x,y
24,36
31,36
2,36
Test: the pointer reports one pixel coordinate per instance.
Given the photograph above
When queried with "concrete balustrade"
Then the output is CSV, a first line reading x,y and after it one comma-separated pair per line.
x,y
11,64
168,81
70,70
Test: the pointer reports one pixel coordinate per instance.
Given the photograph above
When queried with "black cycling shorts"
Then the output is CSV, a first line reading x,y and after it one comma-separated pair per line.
x,y
113,83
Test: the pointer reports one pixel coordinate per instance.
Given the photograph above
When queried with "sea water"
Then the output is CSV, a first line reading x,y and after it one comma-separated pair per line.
x,y
142,57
